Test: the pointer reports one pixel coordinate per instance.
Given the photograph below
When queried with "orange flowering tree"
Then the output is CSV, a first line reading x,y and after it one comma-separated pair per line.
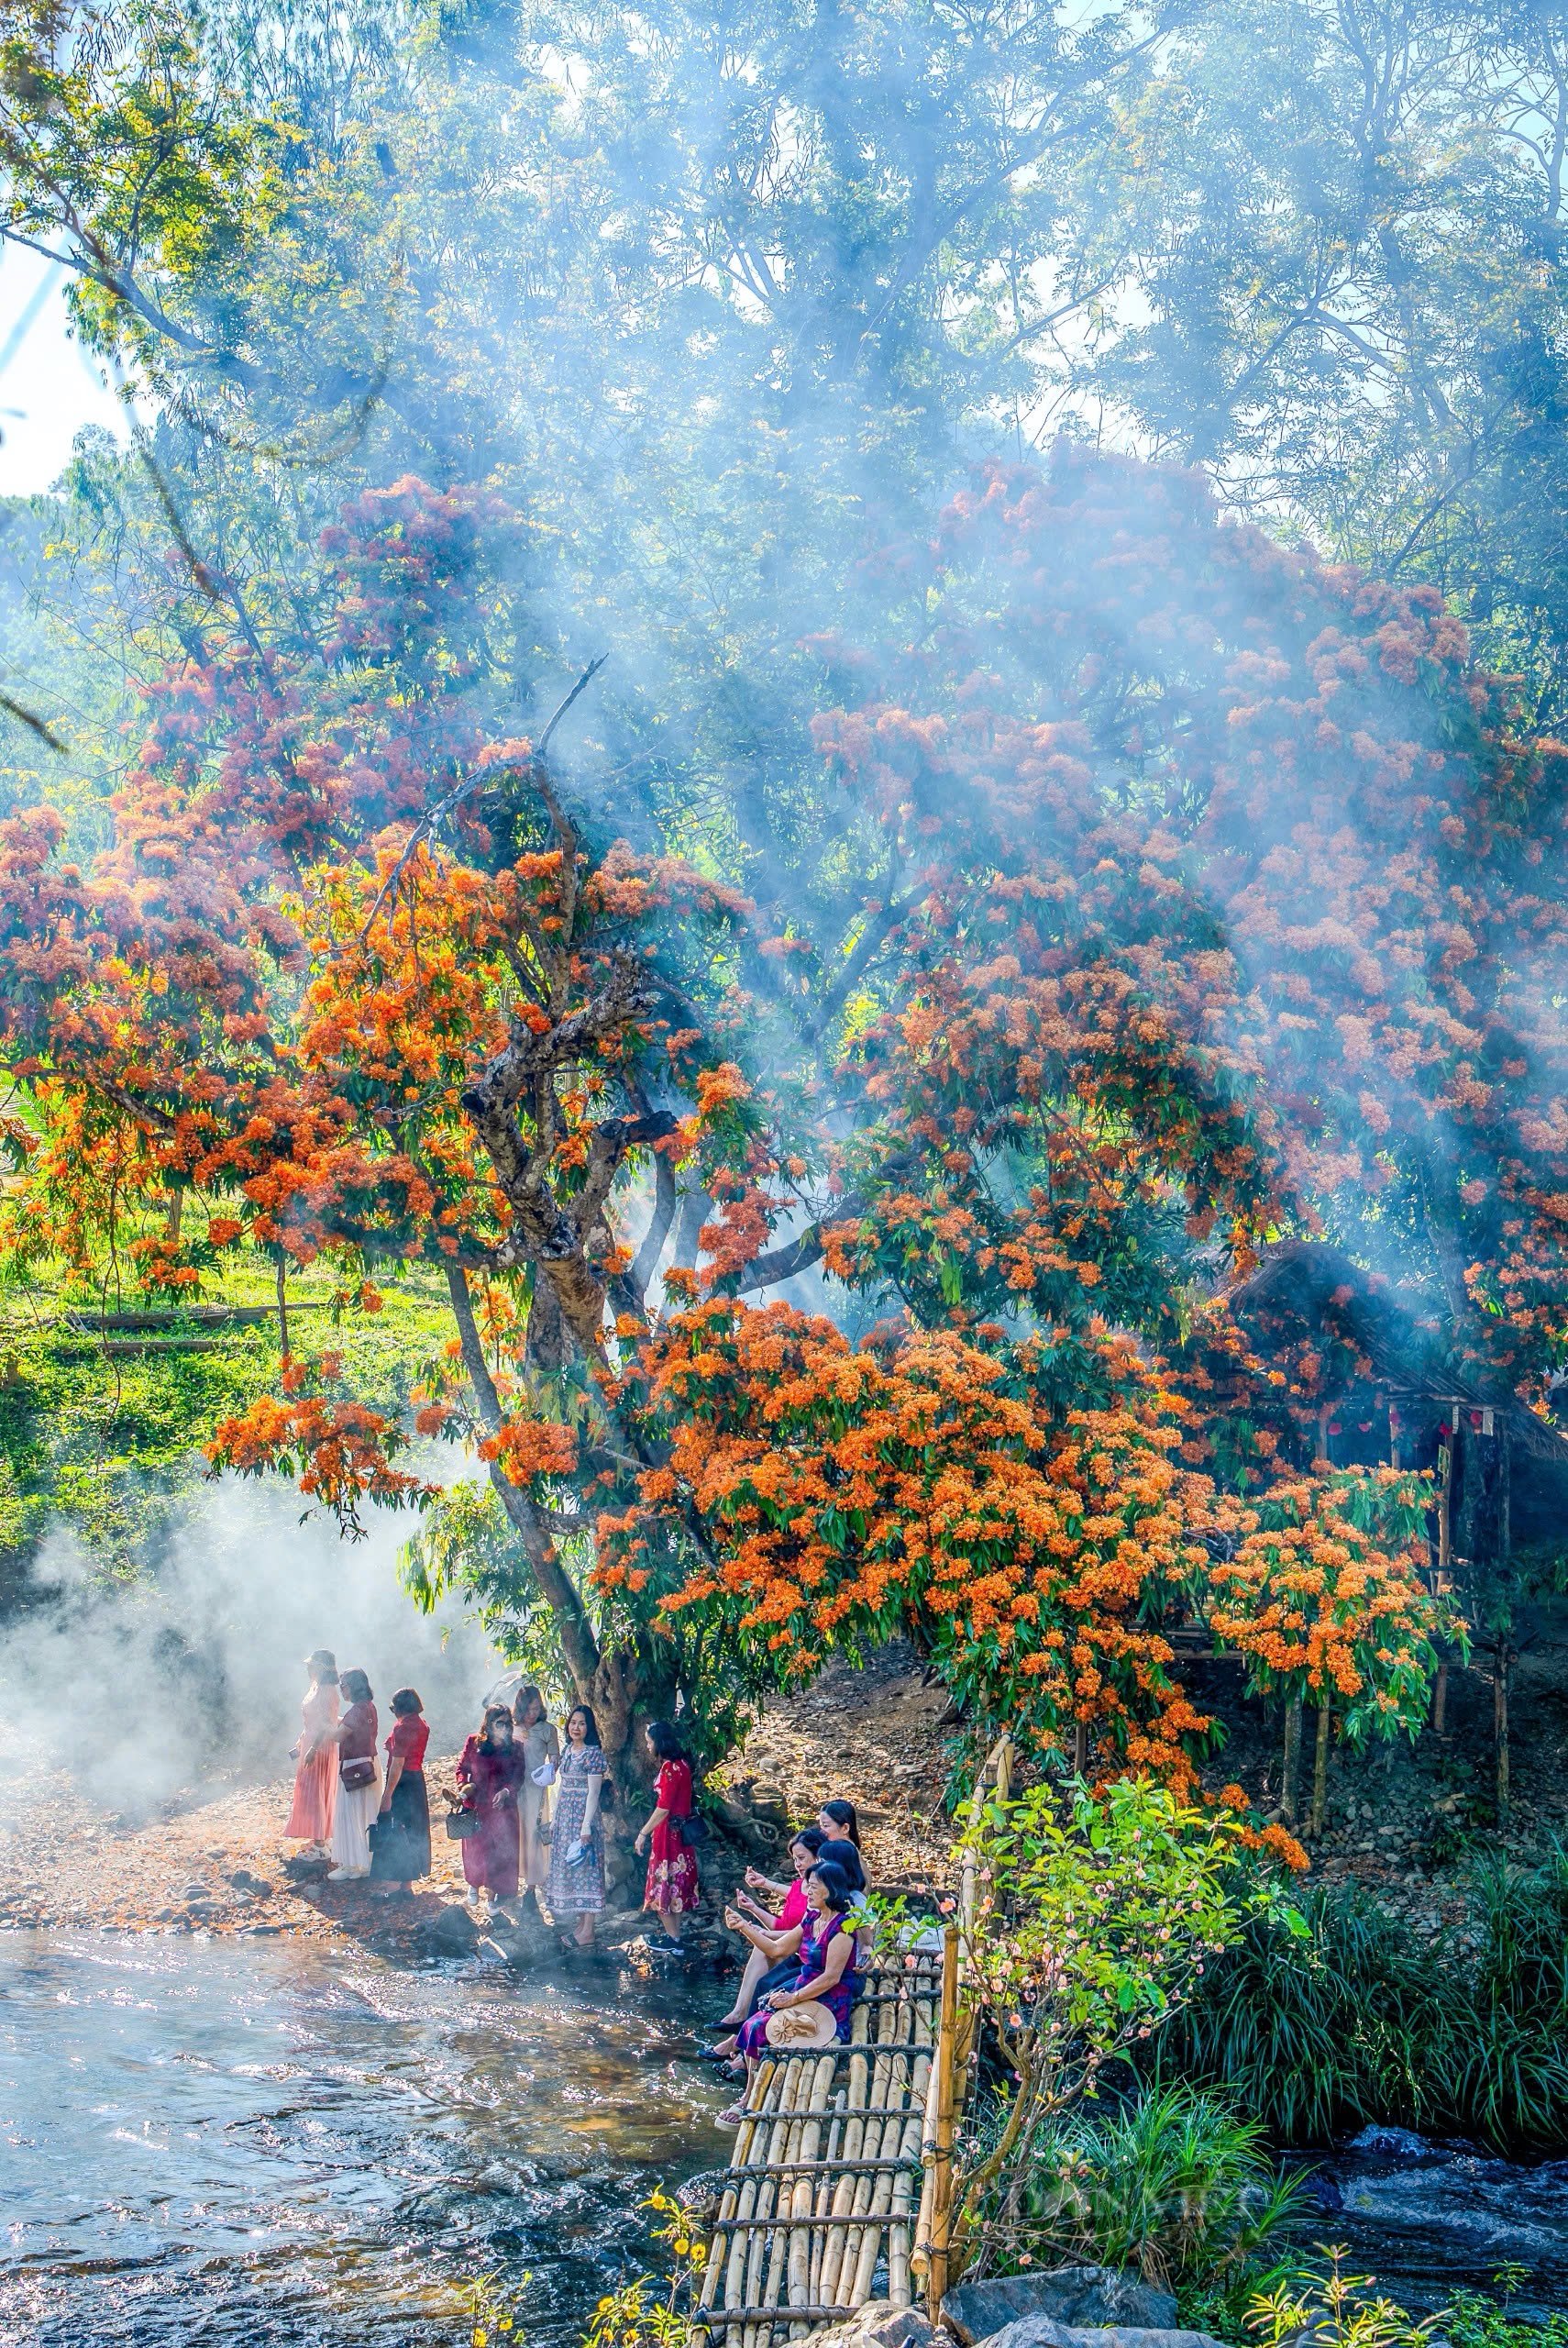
x,y
1166,889
348,985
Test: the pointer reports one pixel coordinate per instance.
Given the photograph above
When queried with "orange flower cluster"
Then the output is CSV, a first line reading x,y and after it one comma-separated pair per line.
x,y
338,1451
1323,1604
849,1494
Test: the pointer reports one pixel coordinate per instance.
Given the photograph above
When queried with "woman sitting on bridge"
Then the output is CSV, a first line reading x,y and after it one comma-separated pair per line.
x,y
824,1974
772,1961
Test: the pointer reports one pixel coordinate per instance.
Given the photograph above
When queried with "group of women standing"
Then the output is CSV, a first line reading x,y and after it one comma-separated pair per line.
x,y
532,1808
374,1822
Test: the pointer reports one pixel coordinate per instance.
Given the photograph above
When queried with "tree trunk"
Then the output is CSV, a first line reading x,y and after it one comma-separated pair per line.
x,y
1502,1666
625,1689
1320,1766
1440,1700
1290,1780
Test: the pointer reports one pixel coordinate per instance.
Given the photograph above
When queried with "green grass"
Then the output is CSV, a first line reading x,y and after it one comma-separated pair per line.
x,y
105,1449
1173,2184
1466,2033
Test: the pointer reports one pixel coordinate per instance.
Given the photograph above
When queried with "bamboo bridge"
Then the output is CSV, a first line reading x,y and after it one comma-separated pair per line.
x,y
844,2160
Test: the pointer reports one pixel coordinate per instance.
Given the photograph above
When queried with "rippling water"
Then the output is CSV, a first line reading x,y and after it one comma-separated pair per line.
x,y
229,2140
274,2141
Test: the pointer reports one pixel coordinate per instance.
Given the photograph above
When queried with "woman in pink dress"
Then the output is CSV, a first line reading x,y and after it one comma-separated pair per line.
x,y
672,1889
315,1777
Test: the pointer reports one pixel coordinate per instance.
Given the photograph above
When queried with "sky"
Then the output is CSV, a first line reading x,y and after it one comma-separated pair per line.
x,y
49,388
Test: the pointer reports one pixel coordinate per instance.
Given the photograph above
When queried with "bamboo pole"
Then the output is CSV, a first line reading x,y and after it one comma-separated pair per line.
x,y
804,2193
899,2244
942,2146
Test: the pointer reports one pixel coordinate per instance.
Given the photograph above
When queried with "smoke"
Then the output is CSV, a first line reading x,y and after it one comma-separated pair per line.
x,y
193,1674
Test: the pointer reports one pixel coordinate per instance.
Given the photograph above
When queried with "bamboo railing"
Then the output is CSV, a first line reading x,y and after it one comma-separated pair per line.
x,y
821,2193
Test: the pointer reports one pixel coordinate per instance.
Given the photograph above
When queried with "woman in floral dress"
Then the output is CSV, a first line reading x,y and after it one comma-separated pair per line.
x,y
671,1890
577,1841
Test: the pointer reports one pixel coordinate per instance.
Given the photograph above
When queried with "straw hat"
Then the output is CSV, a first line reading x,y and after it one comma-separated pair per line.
x,y
808,2025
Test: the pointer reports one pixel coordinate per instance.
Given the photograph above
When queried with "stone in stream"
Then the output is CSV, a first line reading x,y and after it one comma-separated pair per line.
x,y
451,1934
1044,2331
877,2325
1073,2295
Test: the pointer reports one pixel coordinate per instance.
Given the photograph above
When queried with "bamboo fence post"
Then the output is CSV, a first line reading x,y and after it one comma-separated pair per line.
x,y
941,2155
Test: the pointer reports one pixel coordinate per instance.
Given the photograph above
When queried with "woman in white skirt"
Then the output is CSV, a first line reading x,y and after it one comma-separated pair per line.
x,y
541,1749
358,1782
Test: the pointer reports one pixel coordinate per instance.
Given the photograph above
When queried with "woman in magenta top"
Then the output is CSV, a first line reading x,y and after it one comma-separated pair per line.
x,y
672,1889
400,1840
492,1767
772,1961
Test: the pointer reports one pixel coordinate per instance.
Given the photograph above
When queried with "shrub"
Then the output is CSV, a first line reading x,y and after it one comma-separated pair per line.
x,y
1173,2184
1095,1916
1361,2020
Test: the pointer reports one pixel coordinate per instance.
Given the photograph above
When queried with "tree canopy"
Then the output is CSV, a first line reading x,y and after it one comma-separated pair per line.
x,y
641,764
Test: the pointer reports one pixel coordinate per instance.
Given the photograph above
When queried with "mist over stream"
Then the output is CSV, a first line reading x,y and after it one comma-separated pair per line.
x,y
197,1669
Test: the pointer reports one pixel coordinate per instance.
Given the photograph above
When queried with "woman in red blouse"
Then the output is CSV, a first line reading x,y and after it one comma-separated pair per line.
x,y
400,1840
671,1890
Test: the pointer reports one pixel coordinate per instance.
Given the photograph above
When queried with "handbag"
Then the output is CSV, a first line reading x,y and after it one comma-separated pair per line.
x,y
355,1775
462,1825
694,1829
544,1775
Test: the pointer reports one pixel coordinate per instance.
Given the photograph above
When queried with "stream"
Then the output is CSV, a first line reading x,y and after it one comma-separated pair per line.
x,y
237,2139
214,2140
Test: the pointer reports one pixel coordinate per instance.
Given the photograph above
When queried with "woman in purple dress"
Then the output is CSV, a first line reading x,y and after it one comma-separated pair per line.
x,y
824,1974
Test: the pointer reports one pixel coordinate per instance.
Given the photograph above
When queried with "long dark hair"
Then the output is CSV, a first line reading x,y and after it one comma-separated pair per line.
x,y
665,1743
846,1859
591,1733
357,1687
843,1815
836,1884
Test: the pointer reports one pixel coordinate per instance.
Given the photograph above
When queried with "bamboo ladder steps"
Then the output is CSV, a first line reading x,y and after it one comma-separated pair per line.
x,y
822,2181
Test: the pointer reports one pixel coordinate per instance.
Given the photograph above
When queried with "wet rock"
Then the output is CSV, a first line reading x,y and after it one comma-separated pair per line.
x,y
1042,2331
1072,2296
305,1869
528,1942
1381,2143
877,2325
452,1933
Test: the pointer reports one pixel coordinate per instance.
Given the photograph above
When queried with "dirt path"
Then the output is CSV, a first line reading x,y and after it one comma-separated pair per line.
x,y
877,1738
